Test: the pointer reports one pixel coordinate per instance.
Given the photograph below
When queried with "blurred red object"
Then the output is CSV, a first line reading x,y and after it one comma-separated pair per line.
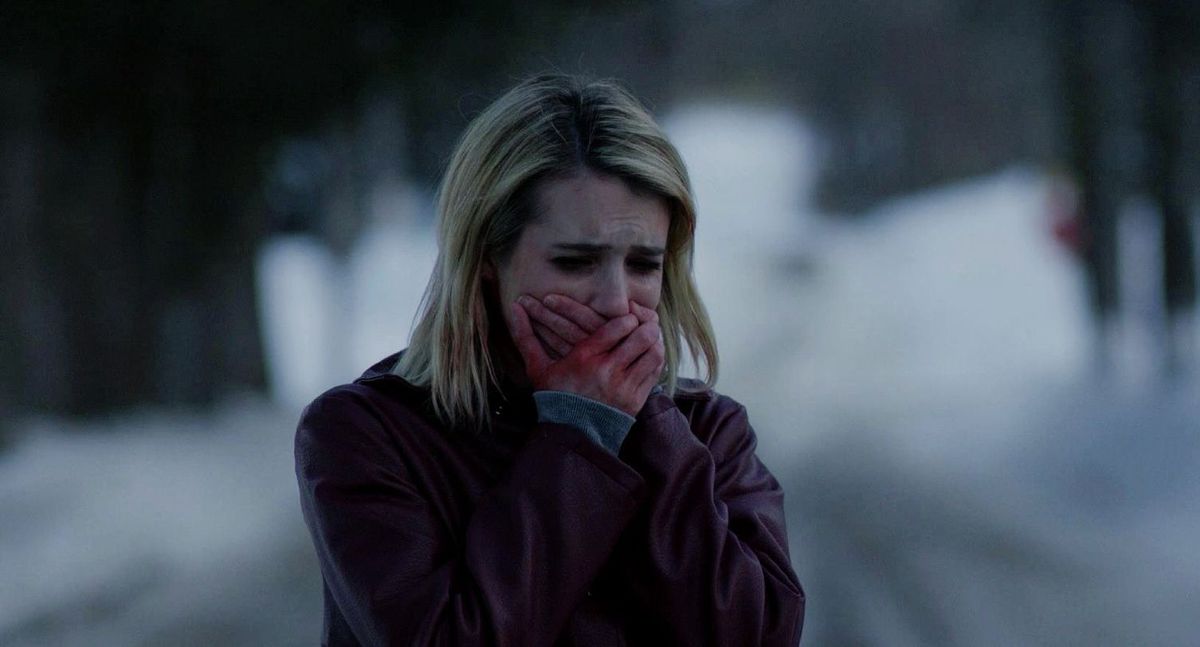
x,y
1062,207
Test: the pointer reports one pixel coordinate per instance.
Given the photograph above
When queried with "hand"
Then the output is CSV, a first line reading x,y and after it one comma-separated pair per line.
x,y
616,361
560,322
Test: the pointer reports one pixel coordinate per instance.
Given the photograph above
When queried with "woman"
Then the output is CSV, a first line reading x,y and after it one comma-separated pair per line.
x,y
531,470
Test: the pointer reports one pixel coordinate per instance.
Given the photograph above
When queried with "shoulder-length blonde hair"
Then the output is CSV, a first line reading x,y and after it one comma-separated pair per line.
x,y
546,127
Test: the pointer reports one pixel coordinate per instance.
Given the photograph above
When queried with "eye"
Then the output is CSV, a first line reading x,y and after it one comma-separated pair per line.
x,y
572,263
645,266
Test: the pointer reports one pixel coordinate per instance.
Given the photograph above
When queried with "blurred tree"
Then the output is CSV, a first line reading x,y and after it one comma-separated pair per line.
x,y
135,158
902,94
153,119
1110,52
1088,125
1174,45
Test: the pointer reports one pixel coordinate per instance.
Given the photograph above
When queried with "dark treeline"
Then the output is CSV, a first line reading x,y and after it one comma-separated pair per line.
x,y
136,139
1130,76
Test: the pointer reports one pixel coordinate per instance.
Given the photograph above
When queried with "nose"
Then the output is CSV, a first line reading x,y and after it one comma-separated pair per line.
x,y
610,294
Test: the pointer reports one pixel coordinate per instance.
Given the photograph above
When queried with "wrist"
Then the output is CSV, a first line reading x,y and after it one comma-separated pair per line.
x,y
604,424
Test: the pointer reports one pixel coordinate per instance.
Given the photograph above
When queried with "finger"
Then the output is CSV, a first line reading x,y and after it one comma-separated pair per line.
x,y
531,351
551,339
637,343
608,335
562,327
643,313
647,369
551,342
583,316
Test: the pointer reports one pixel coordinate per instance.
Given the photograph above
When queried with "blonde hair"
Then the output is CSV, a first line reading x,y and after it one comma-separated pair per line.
x,y
546,127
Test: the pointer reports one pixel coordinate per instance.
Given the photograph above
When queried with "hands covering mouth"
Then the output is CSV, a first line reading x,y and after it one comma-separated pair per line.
x,y
567,346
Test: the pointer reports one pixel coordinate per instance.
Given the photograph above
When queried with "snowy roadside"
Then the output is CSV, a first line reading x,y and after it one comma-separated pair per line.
x,y
954,474
154,522
919,380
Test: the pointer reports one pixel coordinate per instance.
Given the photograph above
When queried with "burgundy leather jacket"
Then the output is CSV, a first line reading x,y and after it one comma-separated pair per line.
x,y
534,534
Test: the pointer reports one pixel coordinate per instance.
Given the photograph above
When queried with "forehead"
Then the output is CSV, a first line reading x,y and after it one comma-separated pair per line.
x,y
598,207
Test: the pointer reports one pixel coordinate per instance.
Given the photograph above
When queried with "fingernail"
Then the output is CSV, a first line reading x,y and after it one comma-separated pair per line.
x,y
524,300
551,300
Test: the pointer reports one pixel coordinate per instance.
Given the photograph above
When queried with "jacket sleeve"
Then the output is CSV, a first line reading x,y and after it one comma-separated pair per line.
x,y
531,547
709,548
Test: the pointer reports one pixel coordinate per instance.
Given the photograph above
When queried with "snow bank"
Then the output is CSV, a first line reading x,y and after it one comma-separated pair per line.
x,y
102,519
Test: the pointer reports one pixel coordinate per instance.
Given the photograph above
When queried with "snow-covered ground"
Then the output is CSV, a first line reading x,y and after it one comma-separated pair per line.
x,y
918,377
156,528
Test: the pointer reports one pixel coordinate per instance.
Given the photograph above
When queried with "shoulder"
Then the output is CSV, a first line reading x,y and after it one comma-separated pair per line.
x,y
717,420
376,397
697,400
357,418
343,415
341,404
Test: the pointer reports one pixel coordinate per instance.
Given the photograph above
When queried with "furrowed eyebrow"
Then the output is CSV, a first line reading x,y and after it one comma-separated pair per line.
x,y
590,248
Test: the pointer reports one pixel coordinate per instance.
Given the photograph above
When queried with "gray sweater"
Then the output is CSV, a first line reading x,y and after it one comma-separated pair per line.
x,y
605,425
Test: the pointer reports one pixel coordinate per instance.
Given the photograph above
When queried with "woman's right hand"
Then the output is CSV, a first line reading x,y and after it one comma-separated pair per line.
x,y
617,364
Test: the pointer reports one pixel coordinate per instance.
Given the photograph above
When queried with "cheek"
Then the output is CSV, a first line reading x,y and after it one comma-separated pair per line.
x,y
647,293
538,280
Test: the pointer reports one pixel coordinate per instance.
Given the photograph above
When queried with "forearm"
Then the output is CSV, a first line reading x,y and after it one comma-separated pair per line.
x,y
709,548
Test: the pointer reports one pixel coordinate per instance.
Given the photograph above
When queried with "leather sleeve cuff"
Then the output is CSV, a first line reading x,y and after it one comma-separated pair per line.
x,y
605,425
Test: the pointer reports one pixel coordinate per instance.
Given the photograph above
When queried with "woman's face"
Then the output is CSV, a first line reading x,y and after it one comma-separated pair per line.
x,y
593,240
